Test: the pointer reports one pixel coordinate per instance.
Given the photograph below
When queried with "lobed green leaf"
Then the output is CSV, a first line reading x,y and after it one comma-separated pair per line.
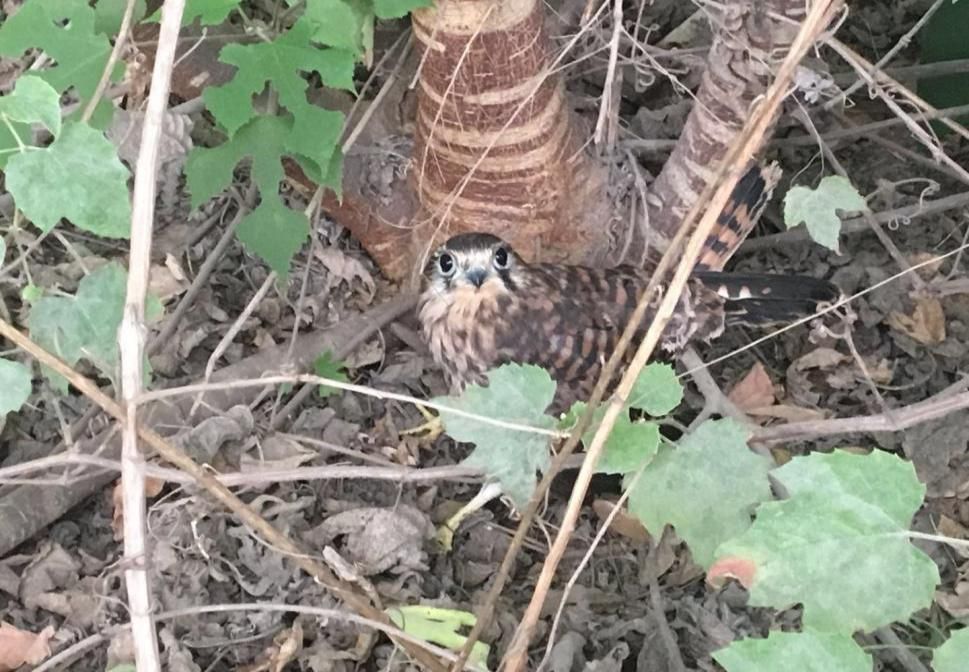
x,y
801,651
706,488
838,545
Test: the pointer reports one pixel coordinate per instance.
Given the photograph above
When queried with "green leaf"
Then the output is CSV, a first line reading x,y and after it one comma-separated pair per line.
x,y
657,390
79,177
33,101
817,208
15,385
209,12
838,545
272,231
343,24
84,325
517,394
394,9
801,651
275,233
280,63
953,654
440,626
64,30
629,447
706,488
108,15
327,367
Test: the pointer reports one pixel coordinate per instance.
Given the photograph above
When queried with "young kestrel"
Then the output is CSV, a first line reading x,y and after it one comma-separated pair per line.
x,y
484,306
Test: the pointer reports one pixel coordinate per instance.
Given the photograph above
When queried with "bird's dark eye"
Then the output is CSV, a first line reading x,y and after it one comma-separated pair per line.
x,y
501,258
446,263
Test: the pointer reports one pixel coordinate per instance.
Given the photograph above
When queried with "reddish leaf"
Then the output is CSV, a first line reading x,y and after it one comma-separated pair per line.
x,y
19,647
755,390
733,567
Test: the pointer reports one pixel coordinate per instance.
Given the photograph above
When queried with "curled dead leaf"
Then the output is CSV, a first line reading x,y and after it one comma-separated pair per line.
x,y
755,390
926,324
623,523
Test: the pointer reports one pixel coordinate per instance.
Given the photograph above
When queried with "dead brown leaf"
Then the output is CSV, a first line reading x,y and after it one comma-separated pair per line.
x,y
623,523
755,390
819,358
926,324
19,647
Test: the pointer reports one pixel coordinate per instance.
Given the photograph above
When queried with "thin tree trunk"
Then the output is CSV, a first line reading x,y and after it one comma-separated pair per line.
x,y
747,42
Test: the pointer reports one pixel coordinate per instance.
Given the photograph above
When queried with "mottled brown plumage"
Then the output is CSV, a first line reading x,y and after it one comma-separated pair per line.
x,y
484,306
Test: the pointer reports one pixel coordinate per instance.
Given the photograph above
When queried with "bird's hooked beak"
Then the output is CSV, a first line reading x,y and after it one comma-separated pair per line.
x,y
476,276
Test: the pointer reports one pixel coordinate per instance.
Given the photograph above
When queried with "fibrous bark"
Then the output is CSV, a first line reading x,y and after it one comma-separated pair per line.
x,y
497,148
747,43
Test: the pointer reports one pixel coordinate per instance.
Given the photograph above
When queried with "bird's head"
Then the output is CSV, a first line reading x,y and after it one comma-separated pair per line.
x,y
475,262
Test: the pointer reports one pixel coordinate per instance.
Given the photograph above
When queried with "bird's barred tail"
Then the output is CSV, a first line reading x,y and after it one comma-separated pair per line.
x,y
764,300
747,202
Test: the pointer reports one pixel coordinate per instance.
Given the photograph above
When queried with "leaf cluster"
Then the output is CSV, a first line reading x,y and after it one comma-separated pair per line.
x,y
836,544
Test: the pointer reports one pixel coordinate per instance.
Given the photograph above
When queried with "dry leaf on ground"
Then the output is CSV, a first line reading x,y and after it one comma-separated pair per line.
x,y
755,390
19,647
926,324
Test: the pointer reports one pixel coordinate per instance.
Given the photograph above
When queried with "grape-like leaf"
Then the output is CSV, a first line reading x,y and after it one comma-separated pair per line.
x,y
33,100
630,446
343,24
272,230
517,394
656,390
953,654
64,30
706,487
85,325
78,177
818,208
394,9
15,385
838,545
280,63
801,651
327,367
109,13
208,12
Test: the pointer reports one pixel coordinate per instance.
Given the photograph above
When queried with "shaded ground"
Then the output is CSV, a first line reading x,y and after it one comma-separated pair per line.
x,y
631,604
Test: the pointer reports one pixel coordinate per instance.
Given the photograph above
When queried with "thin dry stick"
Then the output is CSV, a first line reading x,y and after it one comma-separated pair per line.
x,y
860,64
113,58
736,159
891,421
131,339
606,111
233,330
257,477
281,379
884,60
247,515
584,562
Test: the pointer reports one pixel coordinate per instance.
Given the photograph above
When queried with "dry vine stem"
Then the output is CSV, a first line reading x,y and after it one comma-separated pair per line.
x,y
177,457
131,338
736,160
